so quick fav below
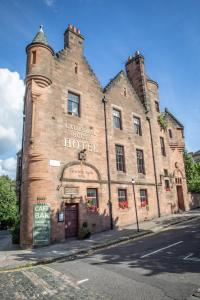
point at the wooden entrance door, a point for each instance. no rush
(180, 197)
(71, 220)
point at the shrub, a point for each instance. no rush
(84, 232)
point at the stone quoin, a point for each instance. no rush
(85, 148)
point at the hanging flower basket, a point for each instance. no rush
(91, 206)
(123, 204)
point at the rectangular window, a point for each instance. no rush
(73, 104)
(92, 199)
(120, 160)
(143, 198)
(157, 106)
(165, 172)
(137, 125)
(170, 133)
(162, 145)
(167, 185)
(140, 161)
(122, 198)
(33, 57)
(117, 119)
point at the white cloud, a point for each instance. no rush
(8, 167)
(11, 106)
(49, 3)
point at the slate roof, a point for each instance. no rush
(173, 117)
(40, 37)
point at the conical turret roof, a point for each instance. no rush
(40, 37)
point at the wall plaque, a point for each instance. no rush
(71, 190)
(41, 225)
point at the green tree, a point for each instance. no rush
(192, 170)
(8, 203)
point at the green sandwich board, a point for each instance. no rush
(41, 225)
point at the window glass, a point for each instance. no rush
(120, 162)
(73, 104)
(170, 133)
(140, 161)
(157, 106)
(167, 185)
(162, 145)
(122, 198)
(137, 125)
(143, 198)
(117, 119)
(92, 199)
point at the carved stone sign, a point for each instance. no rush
(79, 138)
(71, 190)
(80, 172)
(41, 226)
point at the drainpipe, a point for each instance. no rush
(154, 167)
(108, 164)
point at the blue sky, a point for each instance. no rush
(167, 33)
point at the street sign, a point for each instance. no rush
(41, 225)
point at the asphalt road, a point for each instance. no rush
(161, 266)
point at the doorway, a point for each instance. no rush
(71, 220)
(180, 197)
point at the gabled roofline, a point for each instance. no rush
(173, 117)
(112, 81)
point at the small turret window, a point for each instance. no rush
(33, 58)
(157, 106)
(76, 68)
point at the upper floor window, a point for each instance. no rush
(73, 104)
(117, 119)
(157, 106)
(162, 145)
(143, 197)
(120, 160)
(170, 133)
(33, 57)
(125, 92)
(122, 198)
(76, 68)
(140, 161)
(137, 125)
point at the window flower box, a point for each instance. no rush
(123, 204)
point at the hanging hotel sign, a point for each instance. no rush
(41, 227)
(79, 138)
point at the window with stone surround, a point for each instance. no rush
(162, 145)
(122, 198)
(120, 159)
(117, 122)
(73, 104)
(157, 106)
(92, 199)
(137, 125)
(170, 133)
(33, 57)
(144, 198)
(140, 161)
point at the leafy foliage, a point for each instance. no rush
(8, 203)
(162, 121)
(192, 170)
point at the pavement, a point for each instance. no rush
(12, 257)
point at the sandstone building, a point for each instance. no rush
(87, 150)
